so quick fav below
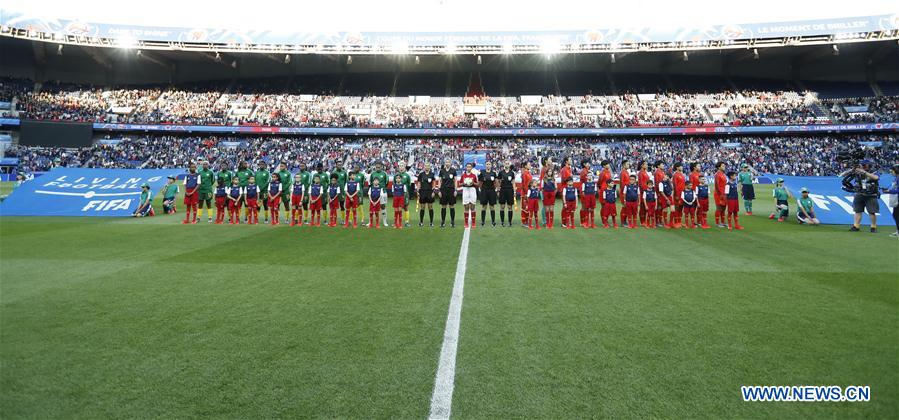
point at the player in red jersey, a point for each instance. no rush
(665, 201)
(566, 172)
(695, 174)
(679, 180)
(720, 200)
(605, 175)
(643, 177)
(526, 178)
(624, 179)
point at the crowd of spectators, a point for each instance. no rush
(218, 105)
(808, 156)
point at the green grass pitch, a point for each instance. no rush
(148, 318)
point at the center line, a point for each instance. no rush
(442, 399)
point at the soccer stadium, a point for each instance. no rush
(449, 209)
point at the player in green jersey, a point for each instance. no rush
(263, 177)
(806, 211)
(747, 190)
(407, 182)
(381, 176)
(286, 179)
(207, 181)
(168, 195)
(224, 174)
(781, 201)
(357, 175)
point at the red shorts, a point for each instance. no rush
(296, 200)
(650, 206)
(351, 202)
(663, 202)
(253, 203)
(192, 199)
(549, 199)
(631, 206)
(533, 205)
(733, 206)
(608, 209)
(703, 205)
(315, 204)
(720, 201)
(374, 207)
(677, 200)
(274, 202)
(589, 202)
(219, 202)
(233, 205)
(570, 205)
(399, 202)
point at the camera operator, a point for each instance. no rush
(867, 194)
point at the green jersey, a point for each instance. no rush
(806, 204)
(780, 193)
(225, 176)
(323, 177)
(745, 178)
(381, 176)
(171, 190)
(286, 179)
(306, 179)
(262, 179)
(207, 178)
(243, 177)
(144, 196)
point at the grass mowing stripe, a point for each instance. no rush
(442, 399)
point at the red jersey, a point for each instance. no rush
(659, 175)
(642, 179)
(604, 178)
(680, 182)
(583, 175)
(471, 176)
(624, 179)
(525, 181)
(694, 179)
(565, 173)
(720, 182)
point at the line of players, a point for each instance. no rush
(647, 199)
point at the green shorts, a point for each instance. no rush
(206, 196)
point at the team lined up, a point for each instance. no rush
(647, 199)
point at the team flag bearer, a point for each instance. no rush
(235, 196)
(274, 198)
(191, 194)
(649, 202)
(733, 205)
(374, 200)
(589, 195)
(351, 201)
(316, 195)
(297, 195)
(251, 196)
(221, 194)
(570, 195)
(334, 194)
(631, 202)
(399, 201)
(688, 198)
(532, 204)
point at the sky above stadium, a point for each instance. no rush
(443, 15)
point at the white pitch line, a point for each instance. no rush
(442, 399)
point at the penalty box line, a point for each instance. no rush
(442, 398)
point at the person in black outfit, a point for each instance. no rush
(488, 193)
(506, 178)
(447, 191)
(425, 187)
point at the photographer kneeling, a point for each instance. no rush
(867, 192)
